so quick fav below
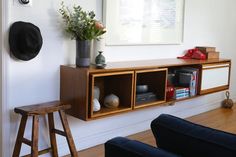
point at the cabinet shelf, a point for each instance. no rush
(178, 100)
(149, 103)
(108, 111)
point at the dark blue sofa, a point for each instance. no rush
(176, 137)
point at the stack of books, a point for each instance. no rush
(185, 80)
(145, 97)
(210, 52)
(188, 77)
(181, 92)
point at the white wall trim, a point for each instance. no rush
(1, 95)
(4, 108)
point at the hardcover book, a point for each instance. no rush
(182, 95)
(212, 55)
(206, 49)
(181, 90)
(188, 77)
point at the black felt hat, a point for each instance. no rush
(25, 40)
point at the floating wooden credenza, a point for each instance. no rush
(120, 78)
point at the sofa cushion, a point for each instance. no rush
(188, 139)
(123, 147)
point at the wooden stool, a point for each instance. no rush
(36, 111)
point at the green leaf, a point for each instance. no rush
(79, 24)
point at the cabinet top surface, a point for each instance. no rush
(143, 64)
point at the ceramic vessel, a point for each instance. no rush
(96, 105)
(111, 101)
(83, 48)
(100, 59)
(98, 45)
(96, 92)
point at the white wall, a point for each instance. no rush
(1, 127)
(207, 22)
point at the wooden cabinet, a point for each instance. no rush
(215, 77)
(121, 78)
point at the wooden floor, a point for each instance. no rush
(222, 119)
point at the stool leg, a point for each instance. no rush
(69, 137)
(52, 135)
(20, 136)
(34, 147)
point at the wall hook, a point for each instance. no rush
(24, 1)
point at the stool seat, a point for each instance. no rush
(35, 111)
(43, 108)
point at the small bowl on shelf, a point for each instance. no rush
(141, 88)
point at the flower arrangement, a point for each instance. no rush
(81, 25)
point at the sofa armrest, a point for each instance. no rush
(123, 147)
(188, 139)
